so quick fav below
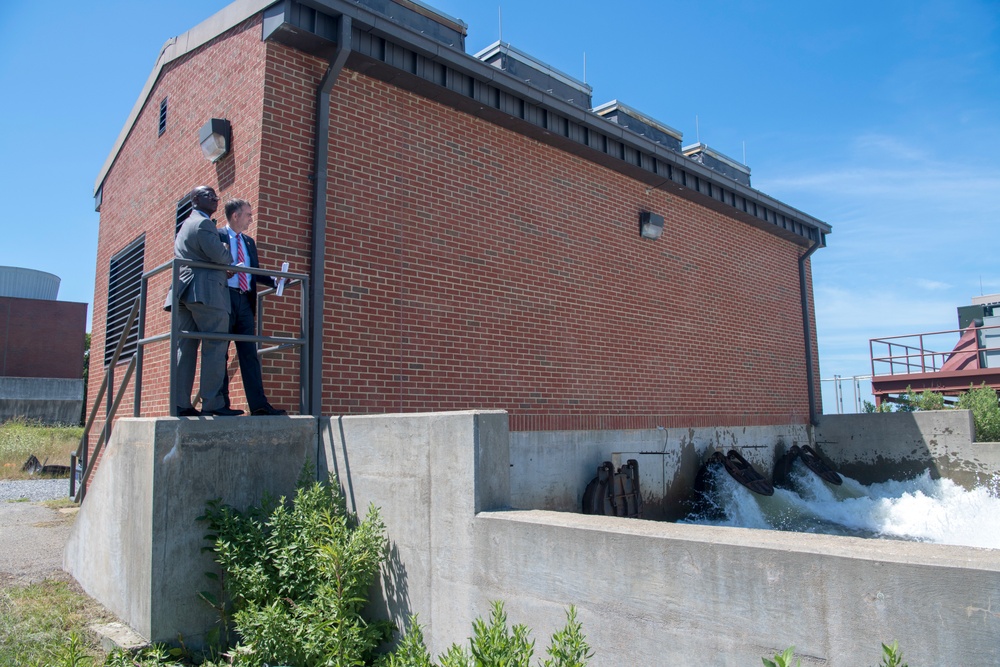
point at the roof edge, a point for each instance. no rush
(228, 17)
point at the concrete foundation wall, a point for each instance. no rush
(875, 448)
(550, 469)
(48, 400)
(648, 593)
(136, 544)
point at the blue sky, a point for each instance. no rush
(879, 118)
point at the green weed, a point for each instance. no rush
(494, 643)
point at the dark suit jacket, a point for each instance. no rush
(198, 239)
(252, 262)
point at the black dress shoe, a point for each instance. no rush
(223, 412)
(188, 412)
(268, 411)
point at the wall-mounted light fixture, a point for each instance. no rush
(214, 139)
(650, 225)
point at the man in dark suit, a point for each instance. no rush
(202, 305)
(243, 305)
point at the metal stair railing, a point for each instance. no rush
(81, 454)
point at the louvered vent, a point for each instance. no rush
(124, 281)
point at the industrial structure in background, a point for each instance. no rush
(41, 349)
(947, 362)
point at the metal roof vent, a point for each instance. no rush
(640, 123)
(423, 18)
(537, 74)
(718, 162)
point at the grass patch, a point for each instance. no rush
(20, 438)
(35, 621)
(60, 503)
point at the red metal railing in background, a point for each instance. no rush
(933, 361)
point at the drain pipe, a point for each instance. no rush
(317, 255)
(807, 335)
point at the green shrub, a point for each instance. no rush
(297, 576)
(494, 643)
(982, 401)
(926, 400)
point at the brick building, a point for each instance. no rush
(42, 347)
(471, 226)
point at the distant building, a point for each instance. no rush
(471, 224)
(41, 349)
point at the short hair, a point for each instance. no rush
(233, 207)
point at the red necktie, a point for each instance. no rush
(240, 259)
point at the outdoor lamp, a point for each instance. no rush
(214, 139)
(650, 225)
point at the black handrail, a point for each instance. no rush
(135, 365)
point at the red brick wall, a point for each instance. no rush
(42, 339)
(151, 173)
(467, 266)
(476, 268)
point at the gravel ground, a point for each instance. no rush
(32, 535)
(34, 490)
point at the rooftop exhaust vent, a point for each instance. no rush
(718, 162)
(537, 74)
(640, 123)
(423, 18)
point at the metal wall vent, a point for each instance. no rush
(124, 282)
(184, 208)
(163, 117)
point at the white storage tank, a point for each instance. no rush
(28, 283)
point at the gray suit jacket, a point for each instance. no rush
(198, 239)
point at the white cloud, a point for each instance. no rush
(931, 285)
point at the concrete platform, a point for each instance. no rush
(136, 544)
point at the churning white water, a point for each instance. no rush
(920, 509)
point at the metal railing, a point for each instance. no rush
(135, 365)
(923, 353)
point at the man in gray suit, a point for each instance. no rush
(203, 305)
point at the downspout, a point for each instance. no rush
(806, 333)
(317, 254)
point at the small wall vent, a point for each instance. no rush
(163, 117)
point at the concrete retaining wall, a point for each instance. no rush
(877, 447)
(48, 400)
(136, 544)
(550, 469)
(648, 593)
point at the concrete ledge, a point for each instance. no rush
(136, 544)
(652, 593)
